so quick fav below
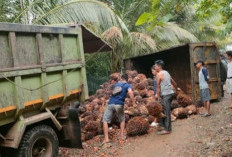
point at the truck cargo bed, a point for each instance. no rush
(41, 67)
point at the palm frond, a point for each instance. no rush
(171, 32)
(76, 11)
(142, 42)
(138, 43)
(80, 11)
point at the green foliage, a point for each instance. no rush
(9, 9)
(144, 18)
(166, 24)
(131, 27)
(54, 12)
(98, 69)
(208, 8)
(129, 10)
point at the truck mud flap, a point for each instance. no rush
(72, 129)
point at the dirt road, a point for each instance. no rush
(195, 136)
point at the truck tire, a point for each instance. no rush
(40, 141)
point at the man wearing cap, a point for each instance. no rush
(204, 87)
(166, 92)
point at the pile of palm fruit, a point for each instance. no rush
(138, 117)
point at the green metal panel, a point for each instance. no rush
(6, 94)
(44, 90)
(56, 87)
(74, 81)
(6, 60)
(31, 82)
(27, 50)
(71, 48)
(51, 49)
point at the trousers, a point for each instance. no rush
(166, 103)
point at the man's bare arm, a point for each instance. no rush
(131, 94)
(159, 79)
(174, 83)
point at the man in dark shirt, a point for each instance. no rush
(223, 72)
(116, 104)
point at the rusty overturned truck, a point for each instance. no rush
(42, 72)
(180, 63)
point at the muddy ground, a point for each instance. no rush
(195, 136)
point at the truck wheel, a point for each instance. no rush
(40, 141)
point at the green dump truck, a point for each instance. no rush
(42, 72)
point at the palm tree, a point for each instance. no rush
(115, 21)
(96, 15)
(131, 44)
(50, 12)
(181, 23)
(129, 10)
(164, 23)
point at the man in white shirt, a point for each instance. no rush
(229, 76)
